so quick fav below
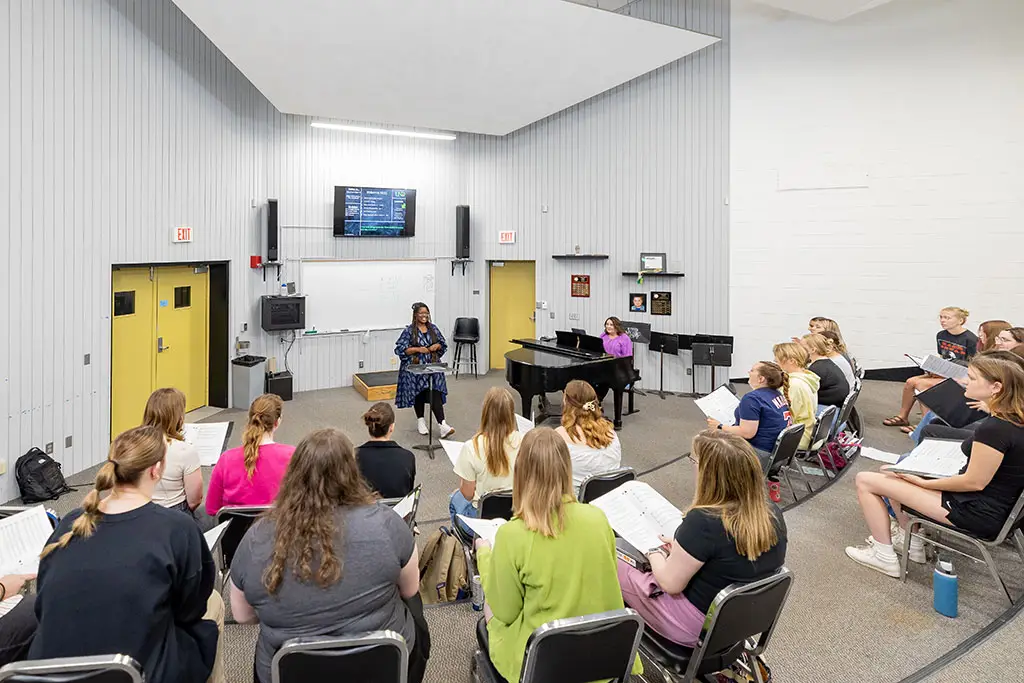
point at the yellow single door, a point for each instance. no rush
(132, 353)
(513, 302)
(182, 337)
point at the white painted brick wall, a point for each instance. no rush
(921, 104)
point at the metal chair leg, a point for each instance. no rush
(1018, 543)
(906, 549)
(990, 563)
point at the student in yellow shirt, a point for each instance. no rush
(555, 559)
(803, 386)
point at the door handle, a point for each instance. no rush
(160, 348)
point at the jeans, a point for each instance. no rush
(925, 421)
(458, 505)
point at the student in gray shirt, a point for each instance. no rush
(363, 565)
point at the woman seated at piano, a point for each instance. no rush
(594, 446)
(616, 343)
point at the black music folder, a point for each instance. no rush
(946, 399)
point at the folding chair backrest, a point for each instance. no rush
(823, 427)
(846, 411)
(786, 446)
(241, 517)
(411, 517)
(375, 657)
(741, 611)
(597, 485)
(580, 649)
(1014, 521)
(496, 505)
(93, 669)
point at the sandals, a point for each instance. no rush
(909, 429)
(895, 421)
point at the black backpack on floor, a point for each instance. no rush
(39, 477)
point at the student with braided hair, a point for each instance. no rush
(122, 574)
(803, 386)
(593, 444)
(251, 474)
(763, 411)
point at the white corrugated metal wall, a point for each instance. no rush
(122, 120)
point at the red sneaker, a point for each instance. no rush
(774, 492)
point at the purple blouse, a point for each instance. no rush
(620, 347)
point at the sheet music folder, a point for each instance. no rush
(933, 459)
(947, 400)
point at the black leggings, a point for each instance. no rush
(17, 629)
(436, 406)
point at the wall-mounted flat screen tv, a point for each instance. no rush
(374, 212)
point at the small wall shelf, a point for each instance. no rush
(580, 257)
(647, 275)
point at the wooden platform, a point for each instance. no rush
(376, 386)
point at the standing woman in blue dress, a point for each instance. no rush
(421, 343)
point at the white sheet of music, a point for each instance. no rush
(523, 424)
(719, 405)
(943, 368)
(404, 506)
(207, 438)
(213, 535)
(484, 528)
(451, 449)
(879, 455)
(639, 514)
(8, 604)
(934, 459)
(22, 538)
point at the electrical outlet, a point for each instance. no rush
(88, 358)
(67, 441)
(552, 315)
(245, 327)
(360, 365)
(476, 292)
(689, 371)
(49, 448)
(574, 316)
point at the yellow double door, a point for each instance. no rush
(159, 338)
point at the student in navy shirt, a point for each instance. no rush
(764, 411)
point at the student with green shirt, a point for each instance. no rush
(555, 559)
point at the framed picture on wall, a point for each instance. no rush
(637, 302)
(661, 303)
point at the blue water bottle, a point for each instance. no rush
(945, 588)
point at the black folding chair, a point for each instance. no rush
(241, 517)
(596, 485)
(92, 669)
(819, 440)
(593, 647)
(375, 657)
(739, 612)
(410, 518)
(781, 459)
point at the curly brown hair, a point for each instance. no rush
(322, 476)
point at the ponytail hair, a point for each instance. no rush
(775, 377)
(837, 341)
(264, 413)
(132, 453)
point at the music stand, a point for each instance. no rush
(429, 369)
(663, 343)
(713, 355)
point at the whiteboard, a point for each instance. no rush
(364, 295)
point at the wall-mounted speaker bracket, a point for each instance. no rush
(460, 262)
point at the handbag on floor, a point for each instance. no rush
(737, 674)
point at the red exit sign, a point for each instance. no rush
(183, 234)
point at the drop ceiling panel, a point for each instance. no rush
(483, 66)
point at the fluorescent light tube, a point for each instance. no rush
(383, 131)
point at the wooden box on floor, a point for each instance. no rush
(376, 386)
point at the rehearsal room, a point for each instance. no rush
(512, 341)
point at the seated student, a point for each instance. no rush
(616, 343)
(250, 474)
(803, 387)
(486, 461)
(730, 534)
(329, 559)
(1009, 338)
(980, 498)
(387, 467)
(952, 342)
(17, 627)
(123, 575)
(839, 355)
(834, 387)
(181, 486)
(593, 444)
(555, 559)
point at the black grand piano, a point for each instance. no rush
(547, 366)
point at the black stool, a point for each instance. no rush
(467, 333)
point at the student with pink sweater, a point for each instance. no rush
(251, 473)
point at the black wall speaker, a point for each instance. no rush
(462, 231)
(272, 231)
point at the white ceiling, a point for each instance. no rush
(608, 5)
(826, 10)
(483, 66)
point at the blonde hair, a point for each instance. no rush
(990, 329)
(837, 341)
(582, 409)
(131, 454)
(775, 377)
(791, 351)
(264, 413)
(1007, 368)
(542, 483)
(831, 326)
(957, 311)
(497, 423)
(165, 410)
(730, 484)
(818, 344)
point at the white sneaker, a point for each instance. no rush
(916, 553)
(868, 556)
(445, 430)
(421, 426)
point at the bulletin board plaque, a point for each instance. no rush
(661, 303)
(580, 286)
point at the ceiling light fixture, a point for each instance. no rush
(383, 131)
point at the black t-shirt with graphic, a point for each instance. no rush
(961, 346)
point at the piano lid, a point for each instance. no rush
(552, 359)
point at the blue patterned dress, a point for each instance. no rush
(409, 385)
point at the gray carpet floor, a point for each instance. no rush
(843, 622)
